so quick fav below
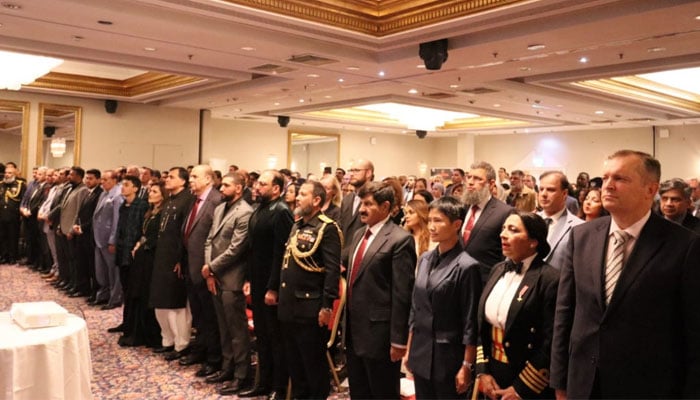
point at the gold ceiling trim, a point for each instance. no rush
(483, 123)
(377, 18)
(145, 83)
(643, 90)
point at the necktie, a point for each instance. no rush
(513, 266)
(358, 259)
(470, 224)
(615, 263)
(190, 219)
(548, 221)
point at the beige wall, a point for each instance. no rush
(164, 137)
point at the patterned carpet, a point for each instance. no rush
(118, 373)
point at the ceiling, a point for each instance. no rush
(514, 64)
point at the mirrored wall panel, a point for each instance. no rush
(310, 153)
(14, 128)
(59, 135)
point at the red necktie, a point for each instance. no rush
(190, 219)
(470, 224)
(358, 260)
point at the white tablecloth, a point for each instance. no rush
(45, 363)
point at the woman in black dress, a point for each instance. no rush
(145, 329)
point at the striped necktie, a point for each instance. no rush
(614, 266)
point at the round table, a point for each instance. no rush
(45, 363)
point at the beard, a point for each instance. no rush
(303, 211)
(472, 198)
(9, 180)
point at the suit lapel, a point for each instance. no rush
(485, 214)
(648, 244)
(594, 250)
(559, 229)
(524, 289)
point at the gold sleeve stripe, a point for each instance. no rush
(480, 355)
(535, 380)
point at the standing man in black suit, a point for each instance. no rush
(225, 254)
(268, 231)
(382, 262)
(85, 280)
(676, 205)
(77, 192)
(207, 346)
(309, 285)
(626, 322)
(485, 217)
(361, 173)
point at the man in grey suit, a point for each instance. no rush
(104, 222)
(361, 173)
(224, 272)
(382, 262)
(554, 190)
(626, 322)
(69, 216)
(207, 347)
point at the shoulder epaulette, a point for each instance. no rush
(325, 218)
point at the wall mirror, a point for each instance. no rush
(14, 133)
(310, 153)
(58, 143)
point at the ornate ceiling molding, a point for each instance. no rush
(378, 18)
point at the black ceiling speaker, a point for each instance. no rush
(283, 121)
(111, 106)
(49, 131)
(421, 134)
(433, 53)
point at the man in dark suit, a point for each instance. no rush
(225, 256)
(207, 346)
(85, 280)
(626, 323)
(675, 204)
(268, 231)
(77, 192)
(361, 173)
(485, 217)
(309, 285)
(382, 262)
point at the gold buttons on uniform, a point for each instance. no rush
(529, 346)
(507, 344)
(284, 284)
(306, 295)
(532, 330)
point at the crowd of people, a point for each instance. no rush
(508, 284)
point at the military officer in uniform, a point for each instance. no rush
(11, 192)
(308, 287)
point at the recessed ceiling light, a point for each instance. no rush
(248, 48)
(496, 105)
(104, 22)
(328, 96)
(525, 69)
(413, 91)
(277, 103)
(560, 105)
(583, 60)
(421, 66)
(697, 17)
(149, 48)
(534, 47)
(656, 49)
(600, 112)
(353, 68)
(301, 100)
(341, 80)
(313, 75)
(381, 73)
(454, 86)
(12, 6)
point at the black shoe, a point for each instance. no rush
(128, 341)
(255, 391)
(232, 387)
(110, 306)
(98, 302)
(210, 371)
(161, 349)
(174, 355)
(118, 328)
(192, 359)
(77, 293)
(90, 299)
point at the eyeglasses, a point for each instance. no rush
(356, 170)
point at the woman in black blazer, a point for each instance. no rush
(516, 314)
(443, 325)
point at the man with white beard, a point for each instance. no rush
(485, 217)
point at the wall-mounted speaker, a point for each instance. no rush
(49, 131)
(283, 121)
(111, 106)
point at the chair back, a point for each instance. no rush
(338, 306)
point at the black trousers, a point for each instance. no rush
(84, 270)
(63, 255)
(9, 238)
(371, 378)
(305, 350)
(268, 339)
(32, 238)
(207, 343)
